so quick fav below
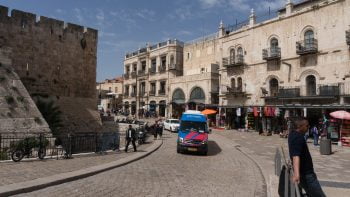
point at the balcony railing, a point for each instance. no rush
(143, 50)
(152, 93)
(238, 60)
(307, 46)
(126, 95)
(152, 70)
(161, 92)
(321, 90)
(126, 76)
(347, 33)
(133, 74)
(172, 66)
(132, 94)
(141, 72)
(142, 93)
(162, 68)
(271, 53)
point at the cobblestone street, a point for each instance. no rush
(224, 172)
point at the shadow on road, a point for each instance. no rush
(213, 148)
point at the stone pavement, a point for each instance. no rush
(11, 172)
(224, 172)
(332, 170)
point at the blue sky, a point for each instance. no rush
(126, 25)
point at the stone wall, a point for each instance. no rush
(54, 60)
(18, 112)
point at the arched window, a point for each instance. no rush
(273, 87)
(232, 55)
(197, 95)
(178, 96)
(309, 39)
(233, 83)
(274, 43)
(310, 85)
(239, 51)
(239, 86)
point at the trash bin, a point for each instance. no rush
(325, 146)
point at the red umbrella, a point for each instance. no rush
(343, 115)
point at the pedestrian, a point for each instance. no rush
(304, 174)
(130, 135)
(160, 130)
(315, 134)
(154, 130)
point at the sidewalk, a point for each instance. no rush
(333, 171)
(14, 175)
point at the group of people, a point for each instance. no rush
(131, 136)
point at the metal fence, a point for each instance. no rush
(56, 146)
(284, 170)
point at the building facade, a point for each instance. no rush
(295, 60)
(146, 78)
(110, 94)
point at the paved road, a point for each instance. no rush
(224, 172)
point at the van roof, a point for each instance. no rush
(193, 117)
(192, 112)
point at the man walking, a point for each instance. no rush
(299, 153)
(130, 135)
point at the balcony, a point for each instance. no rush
(231, 61)
(172, 66)
(126, 95)
(234, 91)
(347, 33)
(152, 70)
(132, 94)
(133, 74)
(162, 68)
(321, 91)
(152, 92)
(161, 92)
(142, 94)
(308, 46)
(271, 53)
(141, 73)
(284, 92)
(126, 76)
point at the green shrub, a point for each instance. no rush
(9, 99)
(20, 99)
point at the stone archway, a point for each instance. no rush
(178, 103)
(197, 96)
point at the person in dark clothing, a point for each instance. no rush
(303, 168)
(130, 135)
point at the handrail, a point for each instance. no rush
(290, 189)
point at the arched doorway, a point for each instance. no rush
(178, 103)
(197, 96)
(162, 106)
(273, 87)
(240, 84)
(310, 85)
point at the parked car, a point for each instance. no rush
(172, 125)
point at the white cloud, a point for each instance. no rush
(78, 15)
(209, 3)
(100, 17)
(59, 11)
(184, 33)
(239, 5)
(146, 14)
(272, 4)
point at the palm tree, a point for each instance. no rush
(51, 114)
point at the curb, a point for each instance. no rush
(40, 183)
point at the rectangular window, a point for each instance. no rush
(163, 61)
(116, 89)
(143, 65)
(134, 67)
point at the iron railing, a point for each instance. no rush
(307, 46)
(143, 50)
(133, 74)
(56, 145)
(284, 170)
(289, 92)
(152, 70)
(271, 53)
(126, 76)
(321, 90)
(162, 68)
(132, 94)
(161, 92)
(238, 60)
(347, 36)
(141, 72)
(152, 93)
(172, 66)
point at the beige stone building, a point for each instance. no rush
(146, 77)
(110, 94)
(299, 59)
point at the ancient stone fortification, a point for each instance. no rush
(54, 60)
